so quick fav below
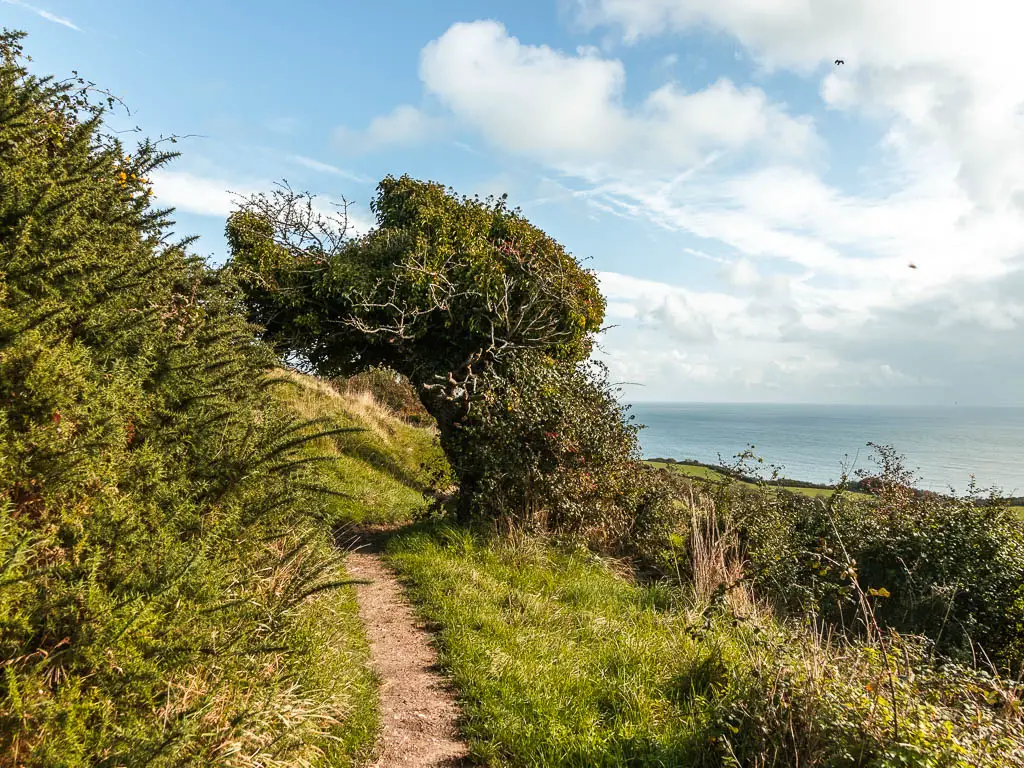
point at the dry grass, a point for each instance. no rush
(360, 406)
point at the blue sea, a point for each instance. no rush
(944, 446)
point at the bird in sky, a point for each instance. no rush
(912, 265)
(839, 62)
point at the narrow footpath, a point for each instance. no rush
(418, 713)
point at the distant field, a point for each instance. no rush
(706, 473)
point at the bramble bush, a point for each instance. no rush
(950, 568)
(162, 577)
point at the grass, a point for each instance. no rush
(561, 660)
(336, 658)
(709, 474)
(378, 468)
(556, 660)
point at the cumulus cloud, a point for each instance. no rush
(945, 71)
(568, 107)
(904, 286)
(196, 194)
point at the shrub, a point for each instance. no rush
(548, 445)
(950, 568)
(160, 570)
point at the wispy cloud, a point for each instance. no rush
(404, 126)
(64, 22)
(317, 165)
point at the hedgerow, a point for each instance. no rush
(165, 593)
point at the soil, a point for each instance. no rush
(418, 712)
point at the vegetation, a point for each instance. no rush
(487, 317)
(559, 660)
(951, 568)
(174, 505)
(726, 476)
(168, 591)
(439, 291)
(378, 466)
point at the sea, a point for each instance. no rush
(943, 446)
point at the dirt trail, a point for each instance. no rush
(418, 713)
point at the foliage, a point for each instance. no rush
(443, 287)
(950, 568)
(559, 660)
(166, 593)
(547, 444)
(486, 316)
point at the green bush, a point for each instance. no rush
(949, 568)
(165, 592)
(548, 445)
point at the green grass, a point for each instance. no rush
(377, 469)
(706, 473)
(690, 470)
(558, 660)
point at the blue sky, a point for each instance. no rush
(752, 208)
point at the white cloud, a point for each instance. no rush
(945, 71)
(64, 22)
(405, 125)
(197, 194)
(815, 298)
(218, 197)
(317, 165)
(568, 108)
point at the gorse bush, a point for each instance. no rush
(162, 582)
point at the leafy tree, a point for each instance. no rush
(488, 317)
(442, 289)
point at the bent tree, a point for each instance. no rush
(490, 319)
(443, 289)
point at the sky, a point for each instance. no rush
(768, 225)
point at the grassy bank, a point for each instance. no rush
(561, 659)
(378, 467)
